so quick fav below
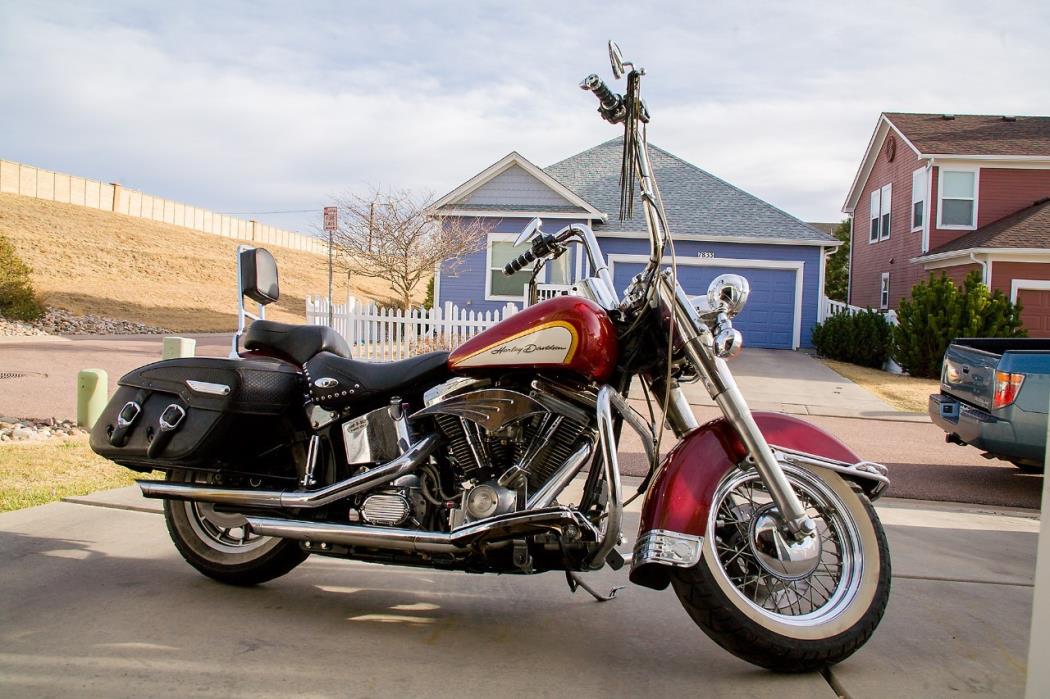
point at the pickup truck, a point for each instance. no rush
(994, 396)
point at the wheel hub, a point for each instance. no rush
(781, 556)
(224, 520)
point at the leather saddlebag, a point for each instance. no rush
(179, 412)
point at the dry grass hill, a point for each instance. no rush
(89, 261)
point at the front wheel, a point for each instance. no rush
(783, 612)
(220, 544)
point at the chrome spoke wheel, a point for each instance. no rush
(226, 532)
(220, 544)
(795, 583)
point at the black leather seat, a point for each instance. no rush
(336, 382)
(298, 342)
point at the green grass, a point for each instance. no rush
(38, 473)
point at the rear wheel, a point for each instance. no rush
(221, 546)
(785, 613)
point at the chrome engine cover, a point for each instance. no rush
(387, 509)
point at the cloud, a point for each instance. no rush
(259, 107)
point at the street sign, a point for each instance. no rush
(331, 219)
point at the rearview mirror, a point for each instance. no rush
(259, 276)
(616, 60)
(528, 232)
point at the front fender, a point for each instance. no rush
(676, 507)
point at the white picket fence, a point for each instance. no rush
(834, 307)
(386, 334)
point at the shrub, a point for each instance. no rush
(938, 312)
(428, 302)
(859, 338)
(17, 299)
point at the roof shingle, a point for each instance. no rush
(1028, 228)
(697, 202)
(972, 134)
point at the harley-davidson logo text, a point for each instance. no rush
(528, 349)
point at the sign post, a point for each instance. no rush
(331, 224)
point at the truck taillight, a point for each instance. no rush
(1007, 386)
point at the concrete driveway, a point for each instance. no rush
(96, 602)
(796, 383)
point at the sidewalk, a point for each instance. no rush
(957, 621)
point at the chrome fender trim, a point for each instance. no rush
(870, 476)
(670, 548)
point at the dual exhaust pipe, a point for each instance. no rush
(459, 541)
(310, 499)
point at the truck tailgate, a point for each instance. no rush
(969, 375)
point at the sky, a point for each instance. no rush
(250, 107)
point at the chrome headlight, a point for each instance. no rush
(730, 290)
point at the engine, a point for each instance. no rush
(501, 448)
(504, 445)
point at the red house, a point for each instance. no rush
(942, 193)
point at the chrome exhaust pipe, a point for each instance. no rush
(458, 541)
(557, 483)
(402, 465)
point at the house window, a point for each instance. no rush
(918, 198)
(887, 199)
(873, 236)
(884, 292)
(880, 214)
(500, 286)
(958, 198)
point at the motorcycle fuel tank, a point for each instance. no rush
(566, 332)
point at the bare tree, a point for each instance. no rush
(395, 235)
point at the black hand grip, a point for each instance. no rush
(519, 262)
(596, 85)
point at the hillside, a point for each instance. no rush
(89, 261)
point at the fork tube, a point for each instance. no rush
(722, 387)
(607, 438)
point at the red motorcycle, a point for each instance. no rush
(760, 522)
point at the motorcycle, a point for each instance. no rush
(761, 523)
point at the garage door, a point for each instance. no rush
(1035, 311)
(768, 320)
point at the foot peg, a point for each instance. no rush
(576, 583)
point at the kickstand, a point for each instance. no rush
(575, 583)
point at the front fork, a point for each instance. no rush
(698, 345)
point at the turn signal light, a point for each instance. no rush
(1007, 386)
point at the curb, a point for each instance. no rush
(29, 339)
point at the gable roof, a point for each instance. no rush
(975, 134)
(698, 204)
(963, 136)
(456, 202)
(1026, 229)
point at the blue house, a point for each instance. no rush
(716, 227)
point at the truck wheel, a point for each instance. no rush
(1027, 467)
(219, 544)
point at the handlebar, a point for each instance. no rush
(542, 246)
(611, 105)
(519, 262)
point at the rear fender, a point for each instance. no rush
(676, 508)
